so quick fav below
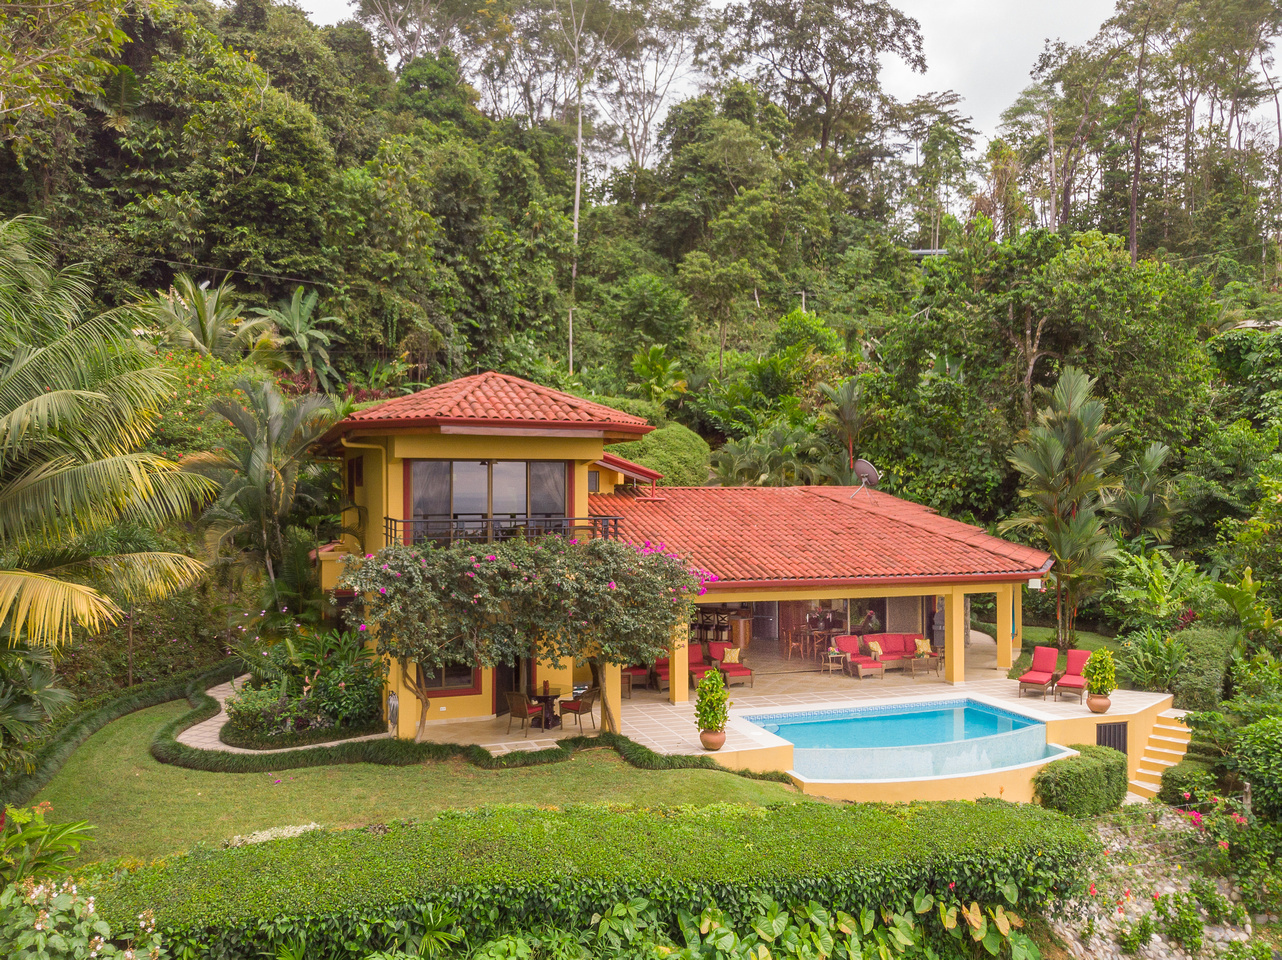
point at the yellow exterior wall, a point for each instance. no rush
(1139, 729)
(467, 707)
(1013, 785)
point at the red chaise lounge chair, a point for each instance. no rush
(857, 662)
(1042, 675)
(1072, 681)
(733, 672)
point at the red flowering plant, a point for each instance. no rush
(596, 601)
(1221, 823)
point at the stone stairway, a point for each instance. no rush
(1165, 748)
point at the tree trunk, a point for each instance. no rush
(421, 694)
(1138, 128)
(131, 646)
(578, 191)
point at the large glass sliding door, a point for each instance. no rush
(486, 499)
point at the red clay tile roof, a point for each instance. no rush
(628, 468)
(493, 399)
(801, 536)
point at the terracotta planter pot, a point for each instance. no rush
(1097, 703)
(712, 739)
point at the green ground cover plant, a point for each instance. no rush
(504, 866)
(1091, 783)
(145, 809)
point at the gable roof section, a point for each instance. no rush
(817, 536)
(633, 471)
(492, 400)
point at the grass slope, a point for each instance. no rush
(146, 809)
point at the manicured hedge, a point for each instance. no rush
(504, 867)
(1183, 778)
(92, 716)
(1086, 785)
(300, 738)
(1200, 684)
(402, 753)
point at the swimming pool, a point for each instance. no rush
(906, 741)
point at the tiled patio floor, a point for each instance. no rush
(664, 727)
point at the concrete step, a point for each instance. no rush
(1168, 743)
(1162, 750)
(1146, 790)
(1153, 761)
(1173, 714)
(1149, 773)
(1172, 731)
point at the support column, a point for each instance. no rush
(679, 664)
(1005, 626)
(1017, 628)
(955, 628)
(611, 698)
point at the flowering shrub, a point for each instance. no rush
(602, 601)
(51, 920)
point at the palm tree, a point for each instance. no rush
(77, 395)
(779, 456)
(1143, 507)
(266, 476)
(661, 378)
(844, 414)
(1065, 459)
(29, 699)
(194, 317)
(299, 329)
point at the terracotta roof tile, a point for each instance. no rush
(816, 534)
(494, 398)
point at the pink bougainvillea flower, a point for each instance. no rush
(491, 557)
(612, 585)
(382, 590)
(1224, 844)
(363, 627)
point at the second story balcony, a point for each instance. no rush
(476, 529)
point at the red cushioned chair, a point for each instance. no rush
(638, 676)
(698, 666)
(1072, 681)
(580, 706)
(733, 672)
(519, 705)
(1042, 675)
(660, 673)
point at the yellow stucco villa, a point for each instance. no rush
(492, 455)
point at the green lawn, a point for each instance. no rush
(146, 809)
(1045, 637)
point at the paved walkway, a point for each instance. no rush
(204, 735)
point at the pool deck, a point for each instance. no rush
(784, 685)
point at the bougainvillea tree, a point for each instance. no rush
(596, 601)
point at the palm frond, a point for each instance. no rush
(43, 610)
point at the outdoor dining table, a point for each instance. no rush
(548, 696)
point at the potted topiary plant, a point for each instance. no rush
(712, 710)
(1101, 680)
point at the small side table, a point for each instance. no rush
(923, 664)
(832, 662)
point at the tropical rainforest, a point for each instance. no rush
(711, 214)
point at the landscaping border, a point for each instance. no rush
(55, 751)
(166, 748)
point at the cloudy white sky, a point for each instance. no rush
(983, 49)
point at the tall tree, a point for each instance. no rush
(823, 57)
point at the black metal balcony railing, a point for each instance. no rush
(488, 529)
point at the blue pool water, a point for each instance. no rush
(943, 738)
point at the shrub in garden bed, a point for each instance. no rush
(308, 688)
(1091, 783)
(1185, 778)
(504, 867)
(1200, 684)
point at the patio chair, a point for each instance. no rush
(519, 705)
(698, 666)
(638, 675)
(793, 640)
(1042, 675)
(733, 672)
(581, 706)
(659, 674)
(1072, 680)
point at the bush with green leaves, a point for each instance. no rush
(498, 868)
(54, 920)
(681, 455)
(1100, 673)
(1088, 784)
(1200, 684)
(1185, 780)
(712, 703)
(1132, 936)
(1151, 660)
(1181, 920)
(32, 848)
(1259, 761)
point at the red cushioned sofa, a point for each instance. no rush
(857, 659)
(896, 648)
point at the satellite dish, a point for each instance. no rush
(867, 473)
